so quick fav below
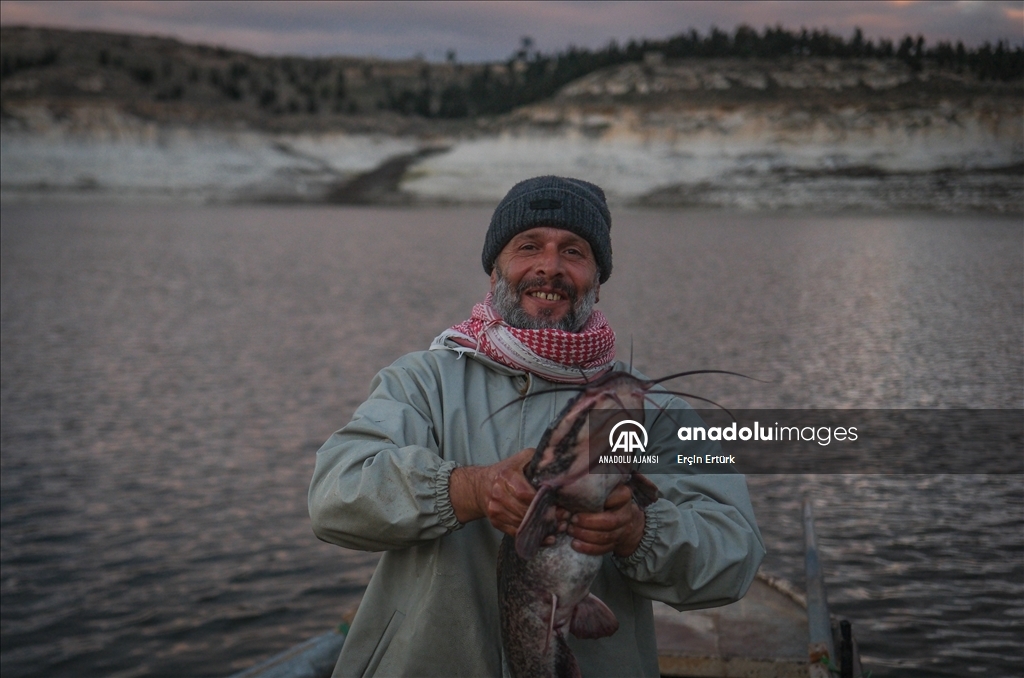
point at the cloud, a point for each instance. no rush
(492, 30)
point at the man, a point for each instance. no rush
(430, 467)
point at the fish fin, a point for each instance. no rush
(591, 618)
(644, 491)
(539, 522)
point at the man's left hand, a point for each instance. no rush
(618, 529)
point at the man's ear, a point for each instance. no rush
(597, 292)
(494, 278)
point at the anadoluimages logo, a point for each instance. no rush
(628, 439)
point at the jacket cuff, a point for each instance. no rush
(651, 525)
(442, 500)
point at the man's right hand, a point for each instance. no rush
(500, 492)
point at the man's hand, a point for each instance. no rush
(499, 492)
(618, 529)
(510, 493)
(502, 494)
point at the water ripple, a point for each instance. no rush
(168, 374)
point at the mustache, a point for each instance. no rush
(559, 284)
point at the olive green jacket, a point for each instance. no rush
(431, 609)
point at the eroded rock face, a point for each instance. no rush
(780, 102)
(817, 133)
(809, 133)
(102, 152)
(657, 77)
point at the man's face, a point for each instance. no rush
(545, 278)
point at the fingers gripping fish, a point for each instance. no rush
(544, 590)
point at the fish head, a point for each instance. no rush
(575, 441)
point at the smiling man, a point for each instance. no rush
(430, 469)
(545, 278)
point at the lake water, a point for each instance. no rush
(169, 373)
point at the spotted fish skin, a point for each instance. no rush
(544, 590)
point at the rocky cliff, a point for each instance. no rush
(847, 134)
(784, 133)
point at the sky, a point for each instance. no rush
(489, 31)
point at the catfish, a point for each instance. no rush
(544, 589)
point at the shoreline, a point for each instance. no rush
(766, 135)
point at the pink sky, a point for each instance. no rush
(492, 30)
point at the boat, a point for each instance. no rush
(774, 631)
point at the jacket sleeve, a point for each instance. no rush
(380, 482)
(701, 546)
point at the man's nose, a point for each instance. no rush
(550, 262)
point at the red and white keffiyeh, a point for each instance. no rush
(555, 355)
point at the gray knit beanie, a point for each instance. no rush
(571, 204)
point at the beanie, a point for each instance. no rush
(571, 204)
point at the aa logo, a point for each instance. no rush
(626, 437)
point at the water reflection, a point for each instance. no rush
(169, 374)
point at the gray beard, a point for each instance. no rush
(506, 301)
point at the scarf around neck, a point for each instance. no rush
(555, 355)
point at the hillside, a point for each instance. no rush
(100, 115)
(169, 81)
(781, 133)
